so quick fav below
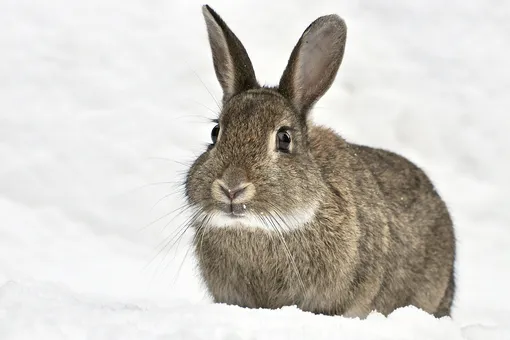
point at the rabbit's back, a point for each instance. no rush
(400, 216)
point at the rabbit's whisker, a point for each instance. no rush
(276, 225)
(207, 89)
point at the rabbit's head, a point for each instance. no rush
(259, 170)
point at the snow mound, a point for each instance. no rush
(54, 312)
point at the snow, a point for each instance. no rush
(105, 103)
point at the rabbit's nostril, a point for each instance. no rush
(232, 193)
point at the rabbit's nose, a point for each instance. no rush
(232, 193)
(239, 193)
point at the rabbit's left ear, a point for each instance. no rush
(231, 62)
(314, 62)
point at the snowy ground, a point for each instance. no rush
(102, 105)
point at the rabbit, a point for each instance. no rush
(288, 213)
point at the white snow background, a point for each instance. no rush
(103, 104)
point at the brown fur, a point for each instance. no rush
(380, 237)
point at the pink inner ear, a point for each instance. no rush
(315, 55)
(319, 57)
(221, 54)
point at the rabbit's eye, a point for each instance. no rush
(283, 140)
(214, 133)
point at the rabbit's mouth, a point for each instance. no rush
(234, 210)
(245, 216)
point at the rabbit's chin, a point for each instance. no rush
(272, 222)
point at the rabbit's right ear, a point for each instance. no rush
(314, 62)
(231, 62)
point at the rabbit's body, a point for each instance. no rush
(383, 256)
(329, 226)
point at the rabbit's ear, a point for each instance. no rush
(231, 62)
(314, 62)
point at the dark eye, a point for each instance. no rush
(214, 133)
(283, 140)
